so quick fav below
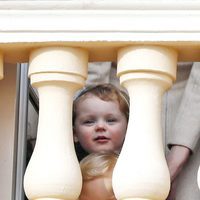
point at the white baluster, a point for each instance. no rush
(198, 177)
(53, 171)
(141, 171)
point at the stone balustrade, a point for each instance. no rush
(58, 39)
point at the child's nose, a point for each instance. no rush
(100, 126)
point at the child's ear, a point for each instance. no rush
(75, 139)
(75, 136)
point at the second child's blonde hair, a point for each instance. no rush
(97, 165)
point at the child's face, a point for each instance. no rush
(100, 126)
(97, 189)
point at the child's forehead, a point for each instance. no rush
(85, 97)
(95, 104)
(105, 98)
(88, 96)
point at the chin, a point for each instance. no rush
(105, 151)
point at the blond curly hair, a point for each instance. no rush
(97, 165)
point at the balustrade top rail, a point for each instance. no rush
(101, 26)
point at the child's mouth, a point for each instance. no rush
(101, 139)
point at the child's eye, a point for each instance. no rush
(111, 120)
(88, 122)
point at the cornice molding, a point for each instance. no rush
(110, 20)
(100, 5)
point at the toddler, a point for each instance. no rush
(100, 117)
